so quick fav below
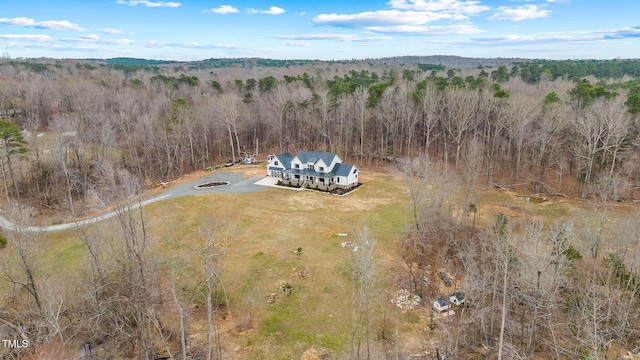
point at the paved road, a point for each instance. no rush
(238, 185)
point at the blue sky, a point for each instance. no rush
(320, 29)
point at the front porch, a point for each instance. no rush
(301, 177)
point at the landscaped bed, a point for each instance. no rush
(335, 191)
(212, 184)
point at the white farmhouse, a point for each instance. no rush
(313, 168)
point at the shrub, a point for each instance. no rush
(572, 253)
(3, 241)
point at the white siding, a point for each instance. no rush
(353, 177)
(341, 180)
(275, 162)
(298, 162)
(336, 160)
(320, 164)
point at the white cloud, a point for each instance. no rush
(624, 32)
(397, 22)
(113, 31)
(93, 38)
(273, 10)
(428, 30)
(339, 37)
(411, 17)
(297, 44)
(379, 18)
(190, 45)
(47, 24)
(519, 13)
(28, 37)
(223, 9)
(447, 6)
(569, 37)
(149, 3)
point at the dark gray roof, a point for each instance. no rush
(285, 159)
(313, 156)
(443, 302)
(458, 295)
(342, 169)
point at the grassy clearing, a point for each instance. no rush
(265, 230)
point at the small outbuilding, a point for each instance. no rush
(457, 298)
(442, 304)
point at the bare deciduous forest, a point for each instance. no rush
(81, 136)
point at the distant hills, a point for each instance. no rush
(442, 60)
(529, 70)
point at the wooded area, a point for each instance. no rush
(79, 136)
(159, 122)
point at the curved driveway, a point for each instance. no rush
(238, 185)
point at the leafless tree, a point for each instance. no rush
(227, 109)
(521, 113)
(363, 272)
(471, 165)
(21, 268)
(212, 244)
(458, 121)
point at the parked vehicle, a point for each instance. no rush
(445, 278)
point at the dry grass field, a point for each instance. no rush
(264, 231)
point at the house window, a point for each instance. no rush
(310, 166)
(297, 166)
(321, 168)
(337, 180)
(322, 180)
(355, 171)
(275, 163)
(297, 177)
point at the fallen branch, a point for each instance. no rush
(15, 329)
(499, 186)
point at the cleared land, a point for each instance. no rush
(266, 228)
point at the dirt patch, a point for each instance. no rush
(511, 212)
(313, 354)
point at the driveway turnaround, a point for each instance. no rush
(239, 183)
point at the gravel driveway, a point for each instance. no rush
(239, 184)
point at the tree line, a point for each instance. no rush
(161, 125)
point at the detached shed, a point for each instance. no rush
(457, 298)
(442, 304)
